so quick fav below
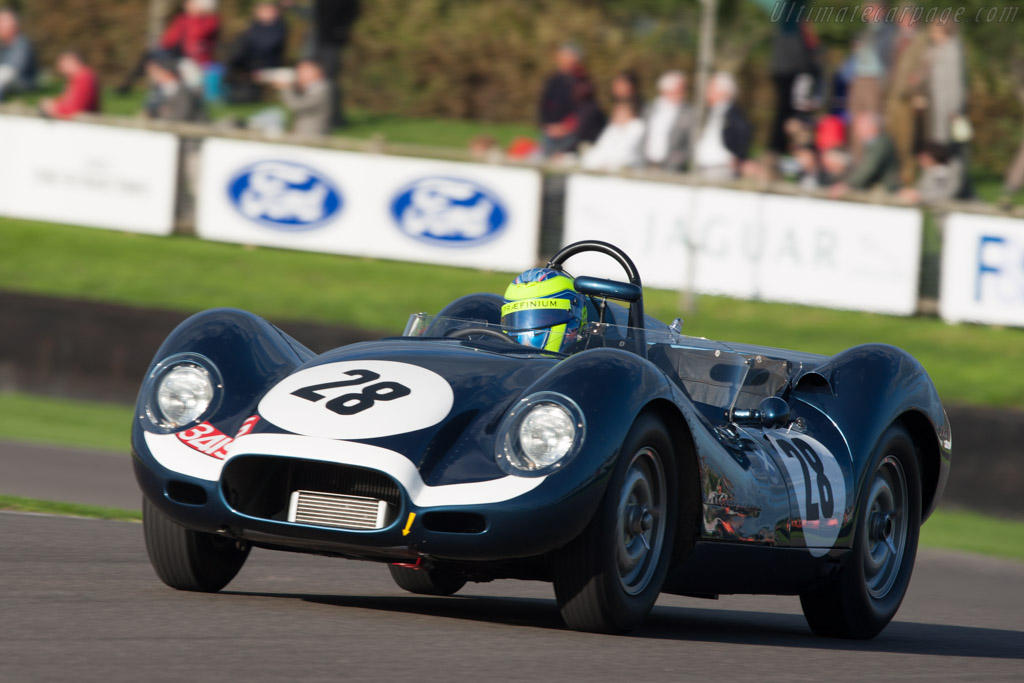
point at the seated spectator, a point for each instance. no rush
(619, 145)
(308, 98)
(170, 100)
(17, 59)
(668, 124)
(724, 142)
(260, 47)
(191, 35)
(878, 163)
(568, 110)
(941, 178)
(835, 163)
(81, 92)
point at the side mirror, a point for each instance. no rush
(771, 412)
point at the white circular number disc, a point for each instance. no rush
(820, 531)
(381, 398)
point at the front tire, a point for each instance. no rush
(864, 597)
(189, 560)
(433, 581)
(608, 579)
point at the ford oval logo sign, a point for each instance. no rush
(449, 212)
(285, 196)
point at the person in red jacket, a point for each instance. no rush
(82, 92)
(194, 32)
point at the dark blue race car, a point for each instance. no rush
(632, 462)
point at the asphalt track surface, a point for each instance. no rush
(80, 602)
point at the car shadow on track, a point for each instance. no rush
(697, 625)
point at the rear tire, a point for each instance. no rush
(189, 560)
(864, 597)
(608, 579)
(433, 581)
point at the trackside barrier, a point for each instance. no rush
(436, 205)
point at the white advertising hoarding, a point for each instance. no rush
(407, 209)
(982, 270)
(84, 174)
(751, 245)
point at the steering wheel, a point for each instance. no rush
(481, 331)
(632, 293)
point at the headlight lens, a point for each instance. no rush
(540, 434)
(184, 394)
(182, 389)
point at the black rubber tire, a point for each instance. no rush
(189, 560)
(585, 572)
(433, 581)
(844, 607)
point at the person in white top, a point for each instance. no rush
(669, 122)
(725, 138)
(620, 144)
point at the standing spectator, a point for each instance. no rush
(260, 47)
(81, 93)
(668, 124)
(309, 99)
(170, 100)
(905, 96)
(877, 165)
(568, 110)
(872, 52)
(946, 120)
(17, 59)
(724, 142)
(620, 144)
(792, 56)
(1014, 179)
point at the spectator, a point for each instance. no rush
(1014, 179)
(792, 55)
(668, 125)
(905, 96)
(835, 163)
(619, 145)
(260, 47)
(877, 165)
(309, 99)
(191, 35)
(170, 100)
(947, 90)
(81, 93)
(17, 59)
(872, 51)
(724, 141)
(941, 176)
(568, 110)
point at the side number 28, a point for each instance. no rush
(810, 463)
(356, 402)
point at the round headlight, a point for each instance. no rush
(546, 435)
(183, 394)
(540, 434)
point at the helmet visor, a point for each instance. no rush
(535, 314)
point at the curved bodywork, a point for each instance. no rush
(392, 450)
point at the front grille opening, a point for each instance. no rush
(189, 494)
(265, 486)
(455, 522)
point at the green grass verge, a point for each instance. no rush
(968, 363)
(101, 426)
(18, 504)
(950, 530)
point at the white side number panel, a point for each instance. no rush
(818, 486)
(358, 400)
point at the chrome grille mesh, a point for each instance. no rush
(337, 510)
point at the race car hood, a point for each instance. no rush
(436, 402)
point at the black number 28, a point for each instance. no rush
(810, 461)
(350, 404)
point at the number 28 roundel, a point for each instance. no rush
(358, 400)
(818, 486)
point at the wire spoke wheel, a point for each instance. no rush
(640, 531)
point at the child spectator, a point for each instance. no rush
(260, 47)
(81, 93)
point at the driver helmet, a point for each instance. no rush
(543, 310)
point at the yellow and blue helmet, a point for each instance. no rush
(543, 310)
